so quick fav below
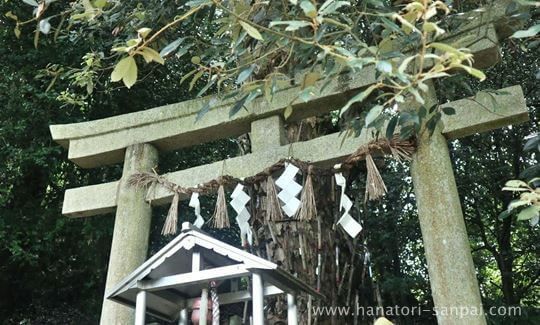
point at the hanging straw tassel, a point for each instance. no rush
(221, 216)
(308, 206)
(375, 187)
(169, 228)
(273, 208)
(401, 150)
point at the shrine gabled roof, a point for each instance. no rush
(176, 258)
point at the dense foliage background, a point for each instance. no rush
(53, 268)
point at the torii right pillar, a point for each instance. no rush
(452, 274)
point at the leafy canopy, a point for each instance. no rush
(247, 49)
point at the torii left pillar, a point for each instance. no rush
(131, 230)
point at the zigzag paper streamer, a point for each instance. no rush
(196, 205)
(351, 226)
(238, 202)
(289, 190)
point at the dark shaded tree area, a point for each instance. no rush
(53, 269)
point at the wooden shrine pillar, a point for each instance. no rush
(292, 309)
(451, 269)
(140, 308)
(257, 297)
(131, 230)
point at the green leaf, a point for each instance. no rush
(358, 98)
(143, 32)
(252, 31)
(36, 38)
(10, 14)
(384, 66)
(505, 214)
(268, 89)
(470, 70)
(17, 31)
(536, 179)
(529, 212)
(120, 49)
(125, 70)
(477, 74)
(433, 28)
(150, 55)
(391, 127)
(422, 112)
(308, 8)
(100, 3)
(403, 66)
(33, 3)
(331, 6)
(432, 122)
(306, 94)
(209, 84)
(445, 48)
(186, 76)
(373, 113)
(515, 183)
(530, 172)
(532, 144)
(205, 108)
(171, 47)
(409, 117)
(534, 220)
(292, 25)
(242, 76)
(288, 111)
(516, 204)
(183, 50)
(310, 79)
(449, 110)
(391, 25)
(197, 3)
(195, 78)
(417, 95)
(527, 33)
(237, 106)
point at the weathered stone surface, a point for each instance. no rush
(450, 266)
(323, 150)
(483, 43)
(486, 111)
(90, 200)
(470, 116)
(267, 133)
(451, 270)
(131, 230)
(496, 13)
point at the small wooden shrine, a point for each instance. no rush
(195, 269)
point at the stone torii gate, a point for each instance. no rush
(135, 139)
